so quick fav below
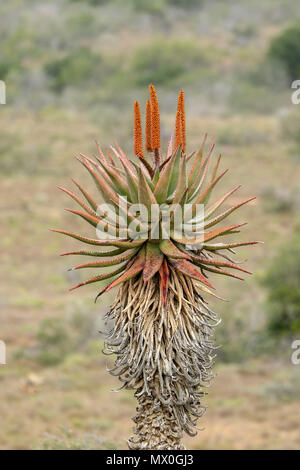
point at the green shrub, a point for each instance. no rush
(58, 338)
(163, 61)
(152, 7)
(6, 66)
(185, 3)
(93, 2)
(285, 49)
(282, 281)
(78, 68)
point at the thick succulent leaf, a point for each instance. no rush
(116, 177)
(226, 213)
(171, 251)
(132, 185)
(221, 231)
(88, 198)
(218, 263)
(79, 201)
(90, 241)
(189, 270)
(101, 154)
(226, 246)
(148, 167)
(170, 146)
(125, 160)
(146, 196)
(98, 168)
(223, 272)
(203, 197)
(108, 194)
(110, 262)
(132, 271)
(161, 188)
(212, 209)
(164, 281)
(153, 262)
(180, 238)
(146, 176)
(181, 185)
(97, 221)
(101, 277)
(92, 220)
(100, 254)
(215, 170)
(156, 177)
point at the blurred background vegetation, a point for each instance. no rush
(72, 69)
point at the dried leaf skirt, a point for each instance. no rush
(165, 354)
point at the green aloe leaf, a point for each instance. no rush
(99, 278)
(129, 273)
(171, 251)
(226, 213)
(221, 231)
(226, 246)
(90, 241)
(212, 209)
(111, 262)
(79, 201)
(146, 196)
(89, 199)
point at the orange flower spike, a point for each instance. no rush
(178, 137)
(182, 116)
(155, 118)
(138, 136)
(148, 136)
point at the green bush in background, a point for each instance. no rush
(282, 281)
(285, 49)
(163, 61)
(77, 68)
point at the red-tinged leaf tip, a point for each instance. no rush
(187, 268)
(164, 280)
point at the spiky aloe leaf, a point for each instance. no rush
(99, 278)
(226, 213)
(187, 268)
(111, 262)
(136, 267)
(100, 254)
(170, 250)
(153, 261)
(91, 241)
(164, 280)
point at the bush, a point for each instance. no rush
(285, 49)
(92, 2)
(58, 338)
(152, 7)
(78, 68)
(282, 281)
(185, 3)
(164, 61)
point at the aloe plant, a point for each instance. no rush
(163, 326)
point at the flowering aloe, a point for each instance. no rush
(163, 327)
